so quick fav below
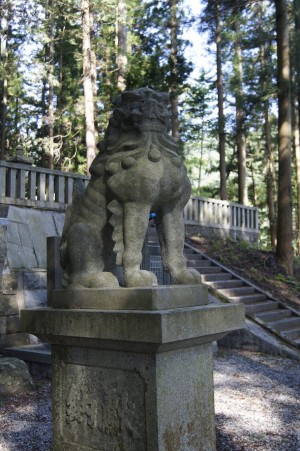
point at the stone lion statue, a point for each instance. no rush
(137, 171)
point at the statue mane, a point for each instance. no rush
(139, 113)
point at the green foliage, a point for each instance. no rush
(26, 67)
(149, 59)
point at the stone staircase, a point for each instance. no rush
(260, 307)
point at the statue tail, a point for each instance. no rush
(116, 221)
(72, 211)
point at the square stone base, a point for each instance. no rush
(108, 400)
(134, 380)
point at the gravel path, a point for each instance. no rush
(257, 403)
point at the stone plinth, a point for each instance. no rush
(133, 380)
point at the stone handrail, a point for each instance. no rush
(221, 214)
(30, 186)
(25, 185)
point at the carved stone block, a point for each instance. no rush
(132, 379)
(137, 172)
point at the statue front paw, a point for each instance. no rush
(187, 277)
(93, 280)
(139, 278)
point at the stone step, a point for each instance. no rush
(193, 256)
(222, 284)
(292, 334)
(286, 324)
(274, 315)
(189, 251)
(38, 358)
(208, 269)
(251, 299)
(40, 353)
(239, 291)
(196, 263)
(253, 309)
(216, 277)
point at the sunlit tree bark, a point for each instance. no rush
(121, 44)
(297, 113)
(284, 250)
(174, 70)
(89, 80)
(51, 86)
(240, 116)
(221, 116)
(6, 11)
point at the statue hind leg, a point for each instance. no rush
(86, 260)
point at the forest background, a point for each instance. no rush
(235, 118)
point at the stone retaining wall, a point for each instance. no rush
(23, 262)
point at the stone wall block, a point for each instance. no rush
(9, 283)
(13, 233)
(25, 235)
(9, 305)
(19, 339)
(59, 220)
(35, 280)
(2, 325)
(15, 256)
(3, 245)
(35, 298)
(12, 324)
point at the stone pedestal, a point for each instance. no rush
(139, 378)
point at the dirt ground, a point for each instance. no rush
(257, 406)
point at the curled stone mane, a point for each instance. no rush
(137, 113)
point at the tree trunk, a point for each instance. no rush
(89, 81)
(284, 250)
(240, 117)
(297, 113)
(221, 116)
(270, 170)
(44, 119)
(200, 160)
(297, 164)
(121, 44)
(270, 176)
(174, 70)
(51, 87)
(6, 32)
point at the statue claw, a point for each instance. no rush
(93, 280)
(187, 277)
(140, 278)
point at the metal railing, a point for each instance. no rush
(30, 186)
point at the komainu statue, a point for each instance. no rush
(137, 171)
